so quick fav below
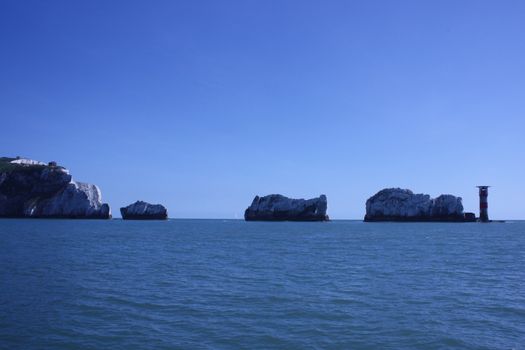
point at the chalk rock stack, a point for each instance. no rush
(276, 207)
(144, 211)
(395, 204)
(32, 189)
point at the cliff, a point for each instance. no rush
(395, 204)
(276, 207)
(34, 190)
(144, 211)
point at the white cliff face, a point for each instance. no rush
(144, 210)
(26, 161)
(400, 204)
(34, 189)
(76, 200)
(278, 207)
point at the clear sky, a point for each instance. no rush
(201, 105)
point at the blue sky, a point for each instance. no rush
(201, 105)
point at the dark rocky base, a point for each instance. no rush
(306, 219)
(466, 218)
(144, 217)
(75, 217)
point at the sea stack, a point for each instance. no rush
(395, 204)
(33, 189)
(276, 207)
(144, 211)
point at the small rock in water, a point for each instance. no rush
(144, 211)
(276, 207)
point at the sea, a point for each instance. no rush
(230, 284)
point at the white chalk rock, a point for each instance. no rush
(395, 204)
(276, 207)
(76, 200)
(26, 161)
(144, 211)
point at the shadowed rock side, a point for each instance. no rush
(31, 189)
(144, 211)
(395, 204)
(276, 207)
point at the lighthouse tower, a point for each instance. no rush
(483, 203)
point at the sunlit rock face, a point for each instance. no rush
(144, 211)
(77, 200)
(396, 204)
(276, 207)
(32, 189)
(26, 161)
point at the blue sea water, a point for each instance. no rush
(229, 284)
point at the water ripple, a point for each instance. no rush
(205, 284)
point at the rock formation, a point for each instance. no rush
(144, 211)
(34, 190)
(395, 204)
(276, 207)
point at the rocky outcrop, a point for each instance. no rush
(276, 207)
(76, 200)
(395, 204)
(34, 190)
(144, 211)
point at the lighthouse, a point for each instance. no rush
(483, 203)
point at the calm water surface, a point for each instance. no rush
(216, 284)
